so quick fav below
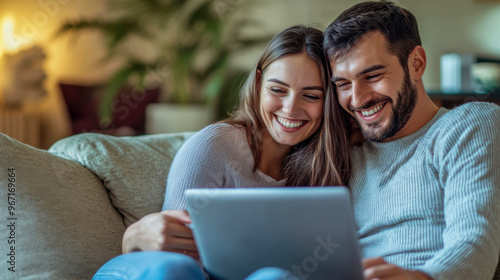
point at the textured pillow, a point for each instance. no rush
(57, 220)
(133, 169)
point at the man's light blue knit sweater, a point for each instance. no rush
(430, 201)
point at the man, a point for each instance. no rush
(426, 181)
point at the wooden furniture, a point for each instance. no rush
(21, 125)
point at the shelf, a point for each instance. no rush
(450, 100)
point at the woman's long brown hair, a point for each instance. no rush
(324, 159)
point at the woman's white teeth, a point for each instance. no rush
(372, 111)
(288, 124)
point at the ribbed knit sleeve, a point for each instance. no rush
(200, 163)
(467, 153)
(218, 156)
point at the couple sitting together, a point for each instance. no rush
(424, 181)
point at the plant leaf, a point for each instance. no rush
(115, 31)
(215, 82)
(118, 80)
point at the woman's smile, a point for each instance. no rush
(290, 124)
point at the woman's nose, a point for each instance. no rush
(291, 106)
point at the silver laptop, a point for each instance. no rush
(308, 231)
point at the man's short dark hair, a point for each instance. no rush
(398, 25)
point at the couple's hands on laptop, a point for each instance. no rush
(163, 231)
(377, 268)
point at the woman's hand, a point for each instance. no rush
(163, 231)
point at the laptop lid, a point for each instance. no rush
(308, 231)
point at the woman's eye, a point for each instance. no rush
(312, 97)
(277, 90)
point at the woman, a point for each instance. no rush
(288, 130)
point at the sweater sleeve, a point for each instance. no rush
(199, 163)
(467, 160)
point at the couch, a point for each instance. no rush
(64, 211)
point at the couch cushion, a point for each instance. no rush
(133, 169)
(58, 222)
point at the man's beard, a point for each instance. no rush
(402, 109)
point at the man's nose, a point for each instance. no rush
(359, 94)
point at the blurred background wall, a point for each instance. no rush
(464, 26)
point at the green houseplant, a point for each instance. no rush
(192, 39)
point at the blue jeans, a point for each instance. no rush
(168, 266)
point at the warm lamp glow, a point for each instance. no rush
(8, 34)
(11, 42)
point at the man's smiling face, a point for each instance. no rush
(375, 89)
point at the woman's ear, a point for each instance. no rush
(416, 63)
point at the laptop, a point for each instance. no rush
(308, 231)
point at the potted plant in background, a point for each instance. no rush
(190, 43)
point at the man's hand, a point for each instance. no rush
(377, 268)
(163, 231)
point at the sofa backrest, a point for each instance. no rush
(61, 223)
(66, 209)
(133, 169)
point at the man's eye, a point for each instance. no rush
(373, 77)
(341, 85)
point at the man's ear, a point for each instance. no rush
(417, 60)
